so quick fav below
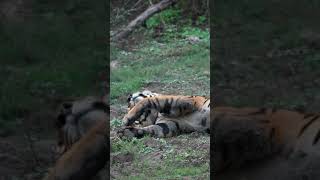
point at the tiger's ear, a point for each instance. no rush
(143, 94)
(129, 97)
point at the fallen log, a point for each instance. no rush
(142, 18)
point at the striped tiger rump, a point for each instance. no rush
(165, 115)
(243, 135)
(85, 159)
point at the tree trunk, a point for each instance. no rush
(142, 18)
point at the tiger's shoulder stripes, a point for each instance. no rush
(170, 114)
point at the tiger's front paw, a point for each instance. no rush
(127, 121)
(130, 132)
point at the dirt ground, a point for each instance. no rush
(269, 61)
(29, 152)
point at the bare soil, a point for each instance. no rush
(29, 152)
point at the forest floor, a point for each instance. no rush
(263, 59)
(48, 55)
(267, 56)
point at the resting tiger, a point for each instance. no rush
(164, 115)
(243, 135)
(76, 118)
(85, 158)
(83, 140)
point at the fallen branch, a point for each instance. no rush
(142, 18)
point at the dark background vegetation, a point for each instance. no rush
(266, 53)
(123, 11)
(50, 51)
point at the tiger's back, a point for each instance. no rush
(167, 115)
(241, 135)
(263, 132)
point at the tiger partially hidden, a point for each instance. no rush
(266, 143)
(240, 135)
(83, 140)
(165, 115)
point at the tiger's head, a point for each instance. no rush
(150, 116)
(76, 118)
(134, 98)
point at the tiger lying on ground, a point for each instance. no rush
(76, 118)
(164, 115)
(241, 135)
(83, 140)
(244, 135)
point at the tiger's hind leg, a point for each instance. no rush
(160, 129)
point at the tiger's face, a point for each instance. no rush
(134, 98)
(150, 116)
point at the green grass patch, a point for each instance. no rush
(174, 164)
(167, 16)
(174, 62)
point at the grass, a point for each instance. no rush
(173, 62)
(175, 161)
(170, 64)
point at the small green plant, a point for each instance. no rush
(201, 20)
(146, 150)
(116, 123)
(166, 16)
(193, 31)
(130, 145)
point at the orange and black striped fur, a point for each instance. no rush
(165, 115)
(243, 135)
(83, 140)
(85, 158)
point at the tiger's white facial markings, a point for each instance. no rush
(134, 98)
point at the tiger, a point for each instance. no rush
(150, 116)
(83, 142)
(76, 118)
(246, 135)
(240, 136)
(165, 115)
(85, 159)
